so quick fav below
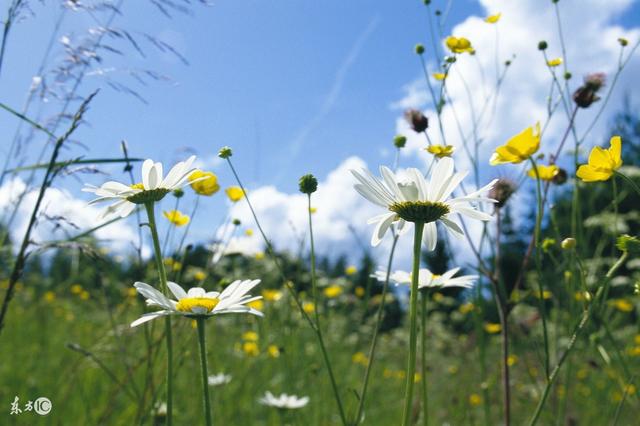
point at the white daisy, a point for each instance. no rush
(197, 301)
(219, 379)
(415, 200)
(284, 401)
(152, 188)
(427, 279)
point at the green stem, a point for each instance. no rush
(318, 329)
(573, 339)
(629, 181)
(423, 358)
(413, 324)
(163, 282)
(203, 367)
(537, 232)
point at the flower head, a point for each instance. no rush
(439, 76)
(153, 187)
(176, 217)
(602, 162)
(234, 193)
(459, 44)
(429, 280)
(554, 62)
(519, 148)
(204, 183)
(289, 402)
(219, 379)
(414, 199)
(417, 120)
(440, 151)
(492, 19)
(198, 302)
(587, 94)
(544, 172)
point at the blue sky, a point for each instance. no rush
(293, 86)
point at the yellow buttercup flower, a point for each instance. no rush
(622, 305)
(439, 76)
(512, 360)
(273, 351)
(234, 193)
(359, 291)
(250, 336)
(360, 358)
(519, 148)
(544, 172)
(258, 305)
(466, 308)
(440, 151)
(271, 295)
(76, 289)
(250, 348)
(554, 62)
(208, 186)
(602, 162)
(492, 328)
(49, 296)
(199, 276)
(313, 210)
(475, 399)
(259, 255)
(176, 217)
(333, 291)
(492, 19)
(248, 232)
(308, 307)
(351, 270)
(459, 44)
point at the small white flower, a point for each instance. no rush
(197, 301)
(152, 188)
(427, 279)
(219, 379)
(415, 200)
(284, 401)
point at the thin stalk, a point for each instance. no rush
(629, 181)
(163, 282)
(374, 340)
(413, 324)
(537, 232)
(423, 358)
(314, 287)
(203, 368)
(573, 339)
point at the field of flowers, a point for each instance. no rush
(493, 321)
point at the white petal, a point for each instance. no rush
(453, 227)
(381, 228)
(440, 175)
(430, 236)
(150, 316)
(146, 171)
(470, 212)
(177, 291)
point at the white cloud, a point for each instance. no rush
(59, 203)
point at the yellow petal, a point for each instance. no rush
(589, 174)
(615, 151)
(599, 158)
(492, 19)
(438, 76)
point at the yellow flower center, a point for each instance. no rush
(138, 186)
(420, 211)
(197, 305)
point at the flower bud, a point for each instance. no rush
(542, 45)
(236, 222)
(399, 141)
(623, 41)
(501, 191)
(419, 49)
(178, 193)
(417, 120)
(568, 244)
(568, 75)
(225, 152)
(308, 184)
(628, 244)
(560, 177)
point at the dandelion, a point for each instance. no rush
(519, 148)
(492, 19)
(440, 151)
(176, 217)
(153, 187)
(492, 328)
(219, 379)
(273, 351)
(416, 200)
(197, 302)
(602, 163)
(439, 76)
(234, 193)
(333, 291)
(204, 183)
(459, 44)
(427, 279)
(284, 401)
(546, 173)
(554, 62)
